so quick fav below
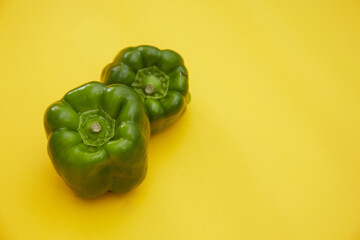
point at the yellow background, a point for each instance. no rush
(268, 149)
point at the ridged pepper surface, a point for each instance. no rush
(98, 137)
(158, 76)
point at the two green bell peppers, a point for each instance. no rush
(158, 76)
(98, 134)
(98, 137)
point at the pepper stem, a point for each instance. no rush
(149, 89)
(96, 127)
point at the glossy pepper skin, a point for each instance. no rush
(158, 76)
(98, 139)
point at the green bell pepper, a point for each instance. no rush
(98, 139)
(158, 76)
